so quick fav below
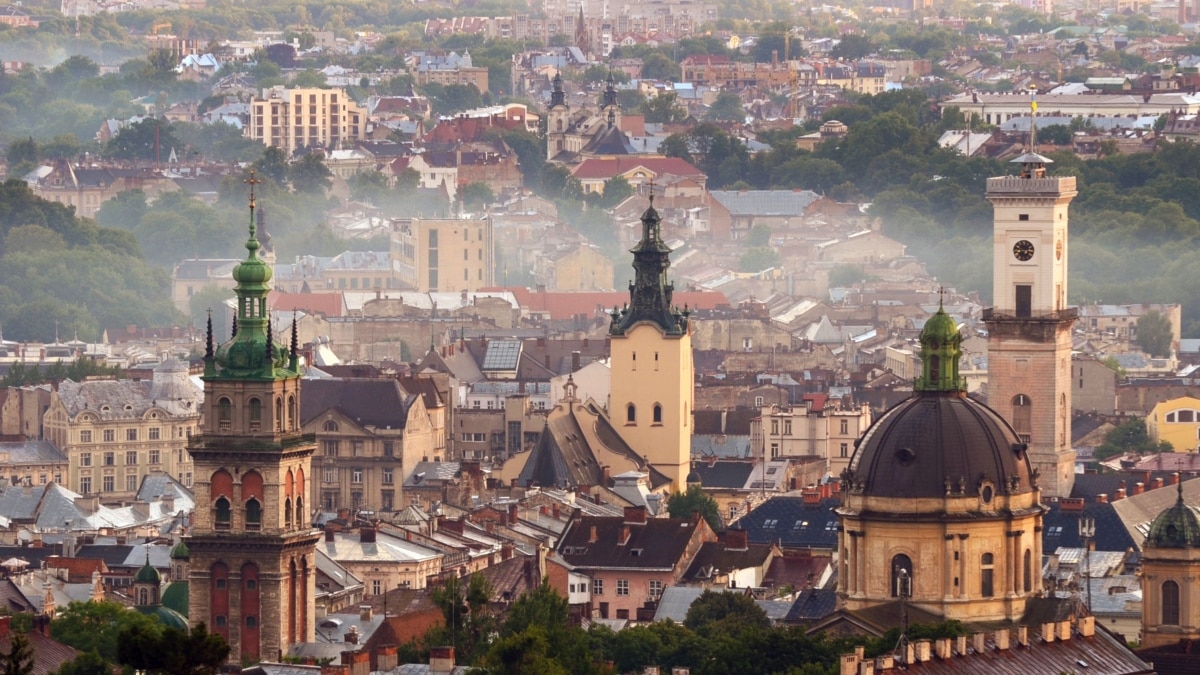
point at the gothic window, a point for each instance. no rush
(253, 515)
(224, 414)
(631, 414)
(1170, 603)
(657, 413)
(902, 576)
(987, 586)
(222, 515)
(255, 414)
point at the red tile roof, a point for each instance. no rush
(605, 168)
(563, 305)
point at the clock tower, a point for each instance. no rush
(252, 566)
(1029, 326)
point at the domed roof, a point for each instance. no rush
(147, 575)
(938, 444)
(180, 551)
(1176, 527)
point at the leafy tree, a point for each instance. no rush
(684, 504)
(19, 659)
(1154, 334)
(95, 626)
(87, 663)
(1130, 436)
(718, 612)
(727, 108)
(309, 175)
(477, 195)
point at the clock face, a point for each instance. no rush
(1023, 250)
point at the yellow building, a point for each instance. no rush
(291, 119)
(114, 432)
(652, 372)
(443, 254)
(1177, 422)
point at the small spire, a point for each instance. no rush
(208, 340)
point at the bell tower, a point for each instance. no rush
(652, 394)
(1029, 326)
(252, 565)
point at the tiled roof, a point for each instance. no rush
(791, 523)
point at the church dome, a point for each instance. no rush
(940, 443)
(1176, 527)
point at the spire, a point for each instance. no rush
(650, 293)
(941, 348)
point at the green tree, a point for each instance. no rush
(1154, 334)
(727, 108)
(1130, 436)
(684, 504)
(19, 659)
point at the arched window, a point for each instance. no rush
(287, 513)
(1022, 416)
(329, 425)
(255, 414)
(222, 514)
(987, 575)
(224, 414)
(1170, 603)
(1028, 571)
(253, 515)
(657, 414)
(902, 576)
(631, 414)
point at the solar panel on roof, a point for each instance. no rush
(502, 355)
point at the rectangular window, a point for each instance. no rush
(131, 458)
(109, 483)
(131, 434)
(155, 433)
(622, 587)
(110, 435)
(155, 457)
(597, 587)
(85, 459)
(85, 436)
(110, 459)
(85, 484)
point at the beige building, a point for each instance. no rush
(370, 433)
(115, 432)
(292, 119)
(1029, 328)
(443, 254)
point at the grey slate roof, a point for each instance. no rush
(765, 202)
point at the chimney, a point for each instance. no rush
(736, 539)
(1063, 628)
(1002, 637)
(593, 537)
(979, 642)
(960, 645)
(366, 535)
(1048, 632)
(942, 648)
(1023, 636)
(364, 612)
(635, 514)
(441, 659)
(1087, 624)
(1102, 498)
(386, 657)
(1138, 488)
(923, 651)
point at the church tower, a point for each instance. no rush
(558, 119)
(252, 548)
(1029, 326)
(652, 393)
